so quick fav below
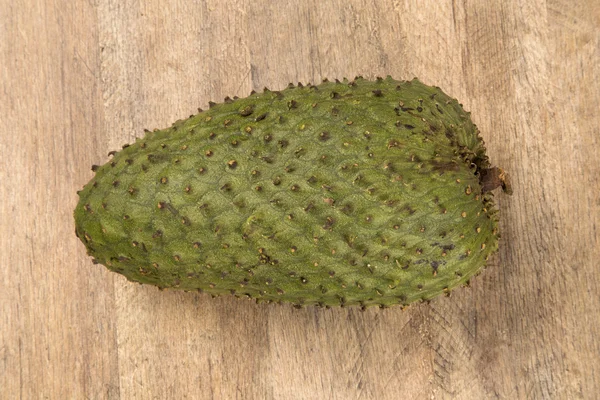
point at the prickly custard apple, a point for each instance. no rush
(343, 193)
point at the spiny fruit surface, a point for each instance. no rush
(345, 193)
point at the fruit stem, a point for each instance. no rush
(494, 177)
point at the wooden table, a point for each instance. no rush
(81, 78)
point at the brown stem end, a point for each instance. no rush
(493, 178)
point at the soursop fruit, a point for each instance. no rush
(344, 193)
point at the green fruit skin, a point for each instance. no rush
(346, 193)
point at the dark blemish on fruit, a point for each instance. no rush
(329, 221)
(261, 117)
(309, 207)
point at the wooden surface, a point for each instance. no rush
(81, 78)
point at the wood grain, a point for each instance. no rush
(81, 78)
